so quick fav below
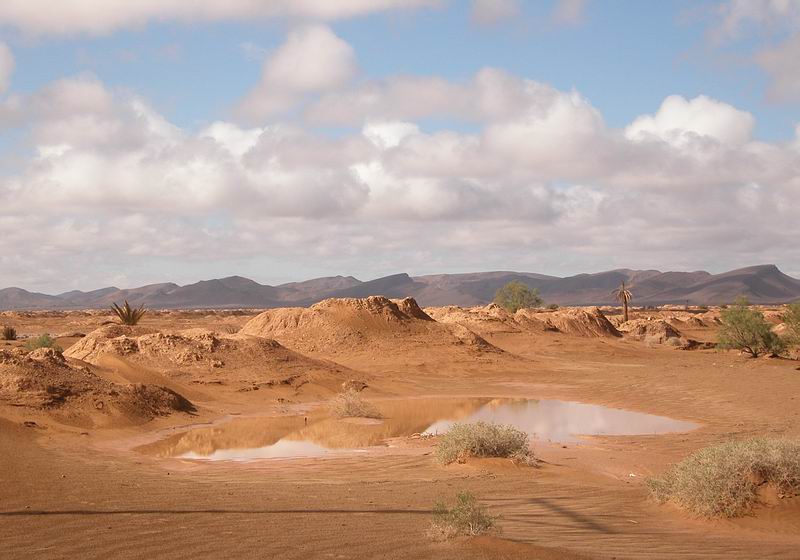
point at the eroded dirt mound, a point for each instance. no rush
(207, 357)
(44, 379)
(656, 331)
(488, 319)
(335, 326)
(583, 322)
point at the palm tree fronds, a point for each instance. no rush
(127, 314)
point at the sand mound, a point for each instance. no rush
(656, 331)
(44, 379)
(582, 322)
(376, 323)
(205, 357)
(489, 319)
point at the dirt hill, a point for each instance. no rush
(373, 324)
(43, 380)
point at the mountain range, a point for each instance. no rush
(760, 284)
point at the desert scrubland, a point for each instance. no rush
(211, 433)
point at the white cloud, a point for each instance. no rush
(680, 121)
(781, 65)
(735, 18)
(569, 12)
(6, 66)
(312, 60)
(67, 17)
(487, 12)
(540, 177)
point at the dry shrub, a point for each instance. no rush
(466, 517)
(483, 439)
(9, 333)
(350, 404)
(723, 480)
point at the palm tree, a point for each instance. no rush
(624, 296)
(127, 314)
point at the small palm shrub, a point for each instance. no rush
(127, 314)
(723, 480)
(43, 341)
(483, 439)
(9, 333)
(350, 404)
(466, 517)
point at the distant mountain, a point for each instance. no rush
(760, 284)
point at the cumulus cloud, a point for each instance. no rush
(538, 178)
(67, 17)
(680, 121)
(6, 66)
(312, 60)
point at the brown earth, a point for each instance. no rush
(78, 485)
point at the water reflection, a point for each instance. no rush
(317, 434)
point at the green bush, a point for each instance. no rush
(9, 333)
(128, 315)
(516, 295)
(466, 517)
(482, 439)
(723, 480)
(746, 329)
(792, 320)
(43, 341)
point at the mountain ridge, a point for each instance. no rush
(760, 284)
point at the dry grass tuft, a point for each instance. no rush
(350, 404)
(724, 480)
(482, 439)
(43, 341)
(466, 517)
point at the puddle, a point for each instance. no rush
(316, 435)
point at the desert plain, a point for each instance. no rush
(130, 444)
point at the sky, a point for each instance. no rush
(169, 140)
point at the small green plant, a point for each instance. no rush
(9, 333)
(350, 404)
(466, 517)
(127, 314)
(516, 295)
(746, 329)
(723, 480)
(483, 439)
(43, 341)
(552, 307)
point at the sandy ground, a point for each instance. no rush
(77, 491)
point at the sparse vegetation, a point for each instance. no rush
(43, 341)
(792, 320)
(350, 404)
(466, 517)
(9, 333)
(552, 307)
(128, 315)
(483, 439)
(724, 480)
(624, 296)
(516, 295)
(745, 329)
